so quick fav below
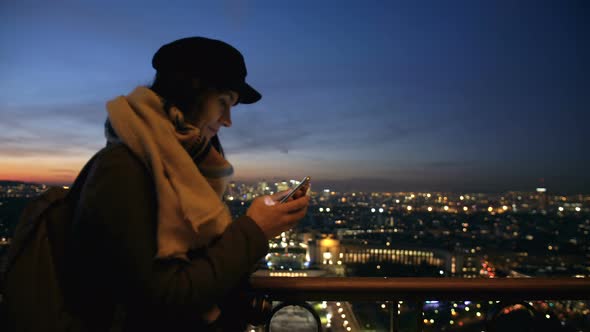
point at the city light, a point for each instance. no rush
(409, 208)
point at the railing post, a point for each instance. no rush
(394, 316)
(420, 316)
(391, 327)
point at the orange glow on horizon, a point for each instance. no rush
(63, 170)
(41, 170)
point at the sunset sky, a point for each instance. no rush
(360, 95)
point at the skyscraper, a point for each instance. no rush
(542, 198)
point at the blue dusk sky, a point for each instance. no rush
(360, 95)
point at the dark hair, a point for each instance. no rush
(186, 93)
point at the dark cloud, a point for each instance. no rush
(63, 171)
(255, 131)
(53, 130)
(85, 112)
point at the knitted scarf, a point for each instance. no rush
(190, 177)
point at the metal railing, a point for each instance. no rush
(418, 290)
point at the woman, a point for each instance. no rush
(154, 246)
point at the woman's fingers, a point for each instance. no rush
(301, 192)
(294, 205)
(276, 218)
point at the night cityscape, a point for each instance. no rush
(444, 140)
(413, 234)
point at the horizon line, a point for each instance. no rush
(68, 184)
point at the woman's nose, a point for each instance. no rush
(226, 119)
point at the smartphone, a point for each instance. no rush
(303, 183)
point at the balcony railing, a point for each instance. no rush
(418, 290)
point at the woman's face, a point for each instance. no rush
(215, 112)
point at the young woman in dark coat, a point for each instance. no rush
(154, 246)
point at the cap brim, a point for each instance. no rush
(248, 95)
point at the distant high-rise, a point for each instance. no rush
(262, 187)
(282, 186)
(542, 198)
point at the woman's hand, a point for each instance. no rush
(274, 218)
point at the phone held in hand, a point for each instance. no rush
(303, 182)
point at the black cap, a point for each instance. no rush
(212, 60)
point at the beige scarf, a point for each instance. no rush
(191, 212)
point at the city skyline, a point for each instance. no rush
(405, 236)
(458, 96)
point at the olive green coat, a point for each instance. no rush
(116, 281)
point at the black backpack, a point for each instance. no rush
(34, 268)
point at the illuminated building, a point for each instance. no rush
(282, 186)
(334, 252)
(542, 198)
